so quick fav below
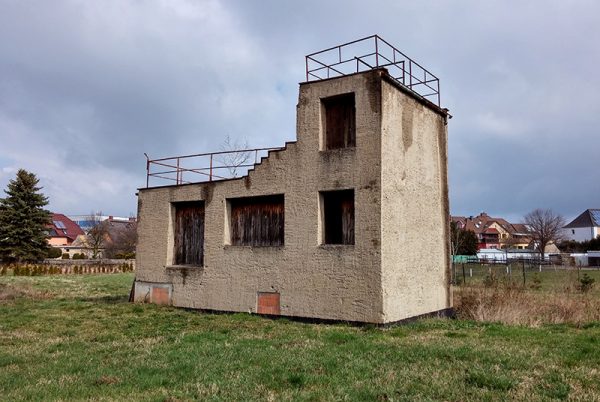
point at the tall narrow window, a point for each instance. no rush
(257, 221)
(337, 217)
(340, 121)
(189, 233)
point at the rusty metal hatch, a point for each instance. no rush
(189, 233)
(268, 303)
(340, 121)
(257, 221)
(338, 217)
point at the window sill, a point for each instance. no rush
(183, 267)
(231, 246)
(335, 246)
(337, 150)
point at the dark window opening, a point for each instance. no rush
(257, 221)
(189, 233)
(340, 121)
(338, 217)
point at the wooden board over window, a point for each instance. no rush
(338, 217)
(340, 121)
(257, 221)
(189, 233)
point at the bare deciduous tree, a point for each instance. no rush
(234, 160)
(545, 226)
(123, 239)
(97, 234)
(462, 241)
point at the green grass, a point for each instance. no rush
(76, 337)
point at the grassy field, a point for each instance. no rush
(552, 278)
(76, 337)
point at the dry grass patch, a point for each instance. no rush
(10, 292)
(517, 306)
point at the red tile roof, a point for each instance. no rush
(64, 227)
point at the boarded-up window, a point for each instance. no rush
(257, 221)
(189, 233)
(340, 121)
(338, 217)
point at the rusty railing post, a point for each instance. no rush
(403, 73)
(177, 172)
(211, 168)
(147, 170)
(376, 52)
(306, 62)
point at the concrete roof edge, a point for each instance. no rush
(386, 75)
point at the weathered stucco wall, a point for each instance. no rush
(414, 205)
(397, 267)
(331, 282)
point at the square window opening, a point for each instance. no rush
(337, 217)
(257, 221)
(340, 121)
(189, 233)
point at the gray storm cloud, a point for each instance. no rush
(87, 87)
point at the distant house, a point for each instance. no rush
(495, 233)
(118, 236)
(121, 236)
(62, 231)
(585, 227)
(86, 222)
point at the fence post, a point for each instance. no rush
(464, 276)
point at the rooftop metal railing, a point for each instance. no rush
(206, 167)
(370, 53)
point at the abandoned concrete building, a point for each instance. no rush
(349, 222)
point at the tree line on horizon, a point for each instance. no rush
(24, 225)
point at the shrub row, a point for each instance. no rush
(76, 256)
(43, 269)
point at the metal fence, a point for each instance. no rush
(370, 53)
(196, 168)
(526, 272)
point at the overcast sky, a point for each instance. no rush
(86, 87)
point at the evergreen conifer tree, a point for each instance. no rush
(23, 220)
